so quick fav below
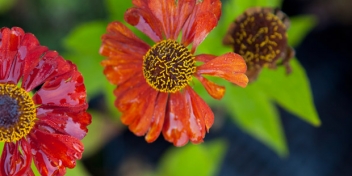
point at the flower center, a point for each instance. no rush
(168, 66)
(260, 36)
(17, 113)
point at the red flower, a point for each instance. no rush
(153, 91)
(47, 127)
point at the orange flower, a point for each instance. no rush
(153, 91)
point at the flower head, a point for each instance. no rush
(259, 35)
(153, 91)
(46, 127)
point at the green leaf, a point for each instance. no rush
(268, 3)
(6, 5)
(292, 92)
(83, 45)
(299, 28)
(117, 8)
(191, 160)
(253, 111)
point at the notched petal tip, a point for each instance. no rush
(216, 91)
(229, 66)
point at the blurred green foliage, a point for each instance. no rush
(192, 160)
(253, 109)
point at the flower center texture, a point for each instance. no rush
(260, 37)
(17, 113)
(168, 66)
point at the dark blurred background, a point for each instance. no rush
(325, 53)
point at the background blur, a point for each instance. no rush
(229, 149)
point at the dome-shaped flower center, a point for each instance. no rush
(168, 66)
(17, 113)
(259, 35)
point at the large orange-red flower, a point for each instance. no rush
(153, 91)
(47, 127)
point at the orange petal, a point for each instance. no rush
(201, 110)
(213, 89)
(158, 118)
(134, 105)
(141, 125)
(174, 130)
(146, 22)
(130, 96)
(122, 72)
(229, 66)
(195, 123)
(172, 14)
(119, 39)
(204, 18)
(205, 57)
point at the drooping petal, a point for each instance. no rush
(121, 40)
(213, 89)
(73, 124)
(141, 124)
(16, 158)
(51, 65)
(194, 124)
(53, 152)
(201, 110)
(145, 21)
(229, 66)
(171, 14)
(174, 129)
(10, 42)
(203, 19)
(66, 92)
(158, 118)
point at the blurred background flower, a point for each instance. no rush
(266, 129)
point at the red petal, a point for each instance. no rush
(172, 14)
(16, 158)
(63, 92)
(121, 40)
(25, 51)
(174, 129)
(229, 66)
(158, 118)
(205, 57)
(201, 110)
(10, 45)
(204, 18)
(53, 152)
(49, 66)
(122, 72)
(193, 124)
(73, 124)
(213, 89)
(142, 123)
(145, 21)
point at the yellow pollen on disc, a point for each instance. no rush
(168, 66)
(17, 113)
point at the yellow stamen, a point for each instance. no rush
(17, 113)
(168, 66)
